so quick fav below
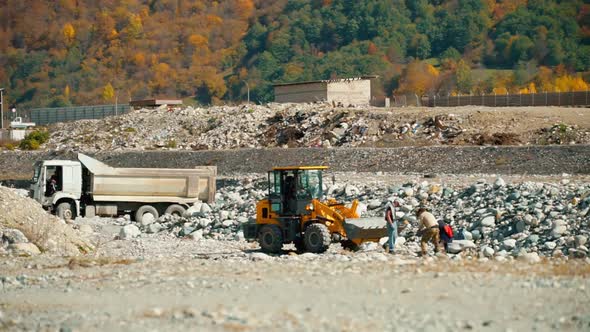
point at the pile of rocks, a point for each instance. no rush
(491, 220)
(27, 229)
(562, 134)
(251, 126)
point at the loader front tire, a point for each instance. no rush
(316, 238)
(270, 238)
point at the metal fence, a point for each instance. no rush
(44, 116)
(578, 98)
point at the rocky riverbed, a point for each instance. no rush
(522, 264)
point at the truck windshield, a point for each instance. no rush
(37, 173)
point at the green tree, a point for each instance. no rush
(463, 77)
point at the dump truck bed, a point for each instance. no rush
(108, 183)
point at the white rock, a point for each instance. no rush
(488, 252)
(530, 257)
(259, 256)
(499, 183)
(196, 235)
(227, 223)
(24, 249)
(489, 221)
(550, 245)
(129, 232)
(12, 235)
(580, 240)
(147, 219)
(509, 244)
(205, 208)
(457, 246)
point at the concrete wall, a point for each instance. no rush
(355, 92)
(301, 93)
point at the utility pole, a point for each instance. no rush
(116, 103)
(1, 108)
(248, 88)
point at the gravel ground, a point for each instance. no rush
(164, 282)
(159, 283)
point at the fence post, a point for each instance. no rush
(495, 104)
(559, 98)
(533, 96)
(546, 98)
(520, 98)
(586, 97)
(434, 99)
(507, 98)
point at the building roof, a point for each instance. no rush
(367, 77)
(155, 102)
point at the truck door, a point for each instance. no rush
(274, 194)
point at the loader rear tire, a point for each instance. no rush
(317, 238)
(270, 238)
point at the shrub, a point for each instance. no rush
(171, 144)
(34, 140)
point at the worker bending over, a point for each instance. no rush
(428, 227)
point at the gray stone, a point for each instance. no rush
(153, 228)
(458, 246)
(488, 221)
(196, 235)
(488, 252)
(129, 232)
(24, 249)
(509, 244)
(227, 223)
(580, 240)
(476, 234)
(499, 183)
(351, 190)
(147, 219)
(205, 208)
(467, 235)
(550, 245)
(533, 239)
(13, 236)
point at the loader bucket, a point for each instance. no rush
(365, 229)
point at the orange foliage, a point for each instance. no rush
(214, 20)
(244, 8)
(419, 78)
(69, 33)
(372, 49)
(198, 40)
(139, 59)
(500, 9)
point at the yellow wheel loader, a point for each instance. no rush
(293, 212)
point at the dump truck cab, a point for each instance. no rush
(58, 183)
(294, 212)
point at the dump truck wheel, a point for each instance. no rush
(316, 238)
(270, 238)
(175, 209)
(64, 211)
(144, 210)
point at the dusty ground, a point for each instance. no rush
(228, 287)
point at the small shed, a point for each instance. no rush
(346, 91)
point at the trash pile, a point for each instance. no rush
(561, 134)
(490, 220)
(249, 126)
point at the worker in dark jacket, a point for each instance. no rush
(445, 237)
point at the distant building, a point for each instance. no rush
(347, 91)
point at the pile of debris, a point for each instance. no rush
(562, 134)
(494, 220)
(26, 229)
(251, 126)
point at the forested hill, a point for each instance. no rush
(74, 52)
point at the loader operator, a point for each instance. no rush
(428, 227)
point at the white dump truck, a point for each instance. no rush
(88, 187)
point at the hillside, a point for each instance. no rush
(70, 52)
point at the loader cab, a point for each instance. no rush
(291, 189)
